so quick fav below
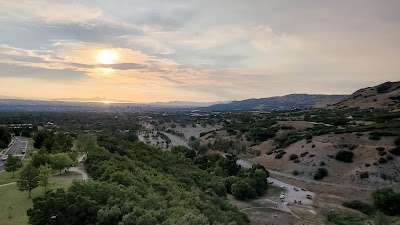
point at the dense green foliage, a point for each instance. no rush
(134, 183)
(5, 137)
(363, 207)
(54, 143)
(387, 200)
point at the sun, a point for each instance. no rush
(106, 57)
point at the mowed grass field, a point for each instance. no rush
(19, 201)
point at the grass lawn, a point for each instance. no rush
(19, 201)
(275, 191)
(6, 177)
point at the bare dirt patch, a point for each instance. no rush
(321, 152)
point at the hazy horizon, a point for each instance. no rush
(200, 51)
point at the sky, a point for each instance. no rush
(195, 50)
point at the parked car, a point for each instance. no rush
(4, 158)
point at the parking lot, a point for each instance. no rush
(293, 193)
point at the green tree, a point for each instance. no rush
(13, 164)
(86, 143)
(387, 200)
(187, 219)
(29, 179)
(242, 190)
(44, 176)
(5, 137)
(60, 161)
(39, 138)
(40, 158)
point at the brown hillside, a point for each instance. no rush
(386, 95)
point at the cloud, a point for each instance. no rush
(48, 11)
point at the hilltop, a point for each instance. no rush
(293, 101)
(386, 96)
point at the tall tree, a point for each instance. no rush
(86, 143)
(13, 164)
(29, 179)
(60, 161)
(44, 176)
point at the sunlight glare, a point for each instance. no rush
(106, 57)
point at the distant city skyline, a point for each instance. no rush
(201, 51)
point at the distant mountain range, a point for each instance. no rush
(278, 103)
(386, 95)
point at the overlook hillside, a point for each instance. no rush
(384, 96)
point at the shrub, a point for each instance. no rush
(397, 141)
(364, 175)
(296, 160)
(322, 163)
(295, 172)
(395, 151)
(278, 156)
(303, 154)
(375, 138)
(344, 156)
(382, 160)
(360, 206)
(380, 149)
(389, 157)
(312, 146)
(270, 152)
(387, 200)
(367, 165)
(293, 157)
(382, 153)
(321, 173)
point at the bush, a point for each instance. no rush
(397, 141)
(322, 163)
(312, 146)
(382, 160)
(321, 173)
(380, 149)
(296, 160)
(395, 151)
(278, 156)
(344, 156)
(270, 152)
(387, 200)
(389, 157)
(295, 172)
(374, 138)
(382, 153)
(303, 154)
(293, 157)
(364, 175)
(360, 206)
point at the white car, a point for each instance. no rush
(4, 158)
(23, 150)
(283, 186)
